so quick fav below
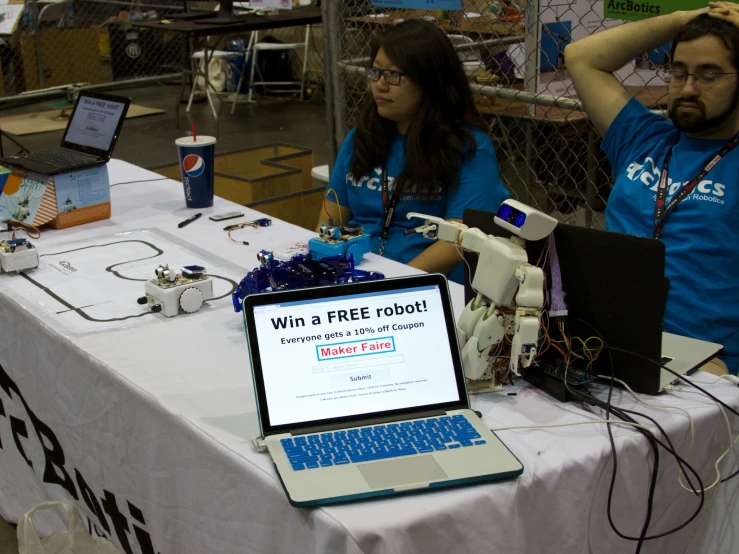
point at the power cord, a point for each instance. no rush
(689, 382)
(622, 414)
(663, 407)
(681, 377)
(732, 443)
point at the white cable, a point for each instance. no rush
(733, 442)
(460, 251)
(640, 400)
(591, 422)
(728, 377)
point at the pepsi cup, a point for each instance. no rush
(196, 166)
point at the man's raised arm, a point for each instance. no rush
(592, 60)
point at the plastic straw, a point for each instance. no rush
(194, 134)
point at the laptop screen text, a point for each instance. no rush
(94, 122)
(352, 355)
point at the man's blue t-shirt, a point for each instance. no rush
(700, 234)
(479, 187)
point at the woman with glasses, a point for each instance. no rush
(419, 147)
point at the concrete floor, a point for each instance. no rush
(149, 142)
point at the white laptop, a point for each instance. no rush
(361, 393)
(683, 355)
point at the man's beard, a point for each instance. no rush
(699, 123)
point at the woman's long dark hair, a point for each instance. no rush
(439, 137)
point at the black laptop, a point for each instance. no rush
(616, 284)
(88, 141)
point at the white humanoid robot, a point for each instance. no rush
(510, 291)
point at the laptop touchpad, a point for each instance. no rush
(403, 471)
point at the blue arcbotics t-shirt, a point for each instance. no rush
(479, 187)
(701, 233)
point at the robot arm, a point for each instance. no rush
(509, 290)
(449, 231)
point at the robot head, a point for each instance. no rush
(524, 221)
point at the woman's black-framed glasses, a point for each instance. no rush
(391, 77)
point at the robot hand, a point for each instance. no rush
(437, 228)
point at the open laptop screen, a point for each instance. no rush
(365, 353)
(94, 122)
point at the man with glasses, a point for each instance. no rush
(677, 180)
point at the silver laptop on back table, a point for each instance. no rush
(361, 393)
(683, 355)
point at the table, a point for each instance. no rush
(306, 15)
(150, 427)
(456, 22)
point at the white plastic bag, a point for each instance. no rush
(75, 540)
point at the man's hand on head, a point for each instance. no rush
(727, 11)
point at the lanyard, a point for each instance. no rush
(660, 210)
(388, 204)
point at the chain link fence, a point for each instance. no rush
(512, 51)
(44, 45)
(53, 44)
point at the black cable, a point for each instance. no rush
(667, 439)
(691, 383)
(140, 181)
(671, 451)
(655, 466)
(650, 436)
(688, 381)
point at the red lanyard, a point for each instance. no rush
(660, 210)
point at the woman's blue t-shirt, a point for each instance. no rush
(479, 187)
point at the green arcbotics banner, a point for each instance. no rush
(642, 9)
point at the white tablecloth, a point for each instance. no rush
(148, 427)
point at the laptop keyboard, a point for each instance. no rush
(380, 442)
(57, 158)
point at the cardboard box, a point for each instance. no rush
(70, 55)
(61, 201)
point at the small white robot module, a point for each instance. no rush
(171, 292)
(17, 255)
